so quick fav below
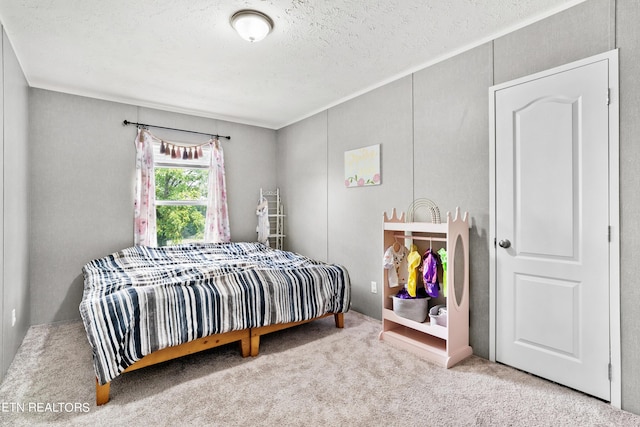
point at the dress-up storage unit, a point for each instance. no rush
(445, 345)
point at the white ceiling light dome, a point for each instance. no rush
(252, 25)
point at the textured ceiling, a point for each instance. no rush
(183, 55)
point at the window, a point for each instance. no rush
(183, 210)
(181, 194)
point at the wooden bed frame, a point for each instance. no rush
(249, 345)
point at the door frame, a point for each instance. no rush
(614, 212)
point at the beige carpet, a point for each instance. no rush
(312, 375)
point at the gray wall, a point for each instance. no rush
(14, 205)
(627, 37)
(355, 214)
(82, 183)
(451, 155)
(302, 157)
(3, 321)
(81, 195)
(433, 131)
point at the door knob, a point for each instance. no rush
(504, 243)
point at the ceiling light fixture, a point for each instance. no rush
(252, 25)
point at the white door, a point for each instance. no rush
(552, 227)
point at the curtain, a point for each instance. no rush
(216, 229)
(145, 193)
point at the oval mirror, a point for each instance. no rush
(458, 271)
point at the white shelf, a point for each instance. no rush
(420, 227)
(425, 327)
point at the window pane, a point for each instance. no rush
(181, 184)
(180, 224)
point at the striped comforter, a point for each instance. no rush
(143, 299)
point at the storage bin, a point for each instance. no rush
(415, 309)
(440, 319)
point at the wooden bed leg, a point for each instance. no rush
(245, 346)
(255, 345)
(102, 393)
(339, 318)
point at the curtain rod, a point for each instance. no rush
(127, 122)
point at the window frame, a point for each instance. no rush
(162, 161)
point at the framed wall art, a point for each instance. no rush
(362, 166)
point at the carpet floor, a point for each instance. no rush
(310, 375)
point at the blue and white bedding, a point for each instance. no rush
(142, 299)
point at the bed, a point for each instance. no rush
(144, 305)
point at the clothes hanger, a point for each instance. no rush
(396, 245)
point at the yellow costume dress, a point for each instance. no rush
(413, 262)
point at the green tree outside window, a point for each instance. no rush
(182, 217)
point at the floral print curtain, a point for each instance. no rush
(216, 229)
(145, 196)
